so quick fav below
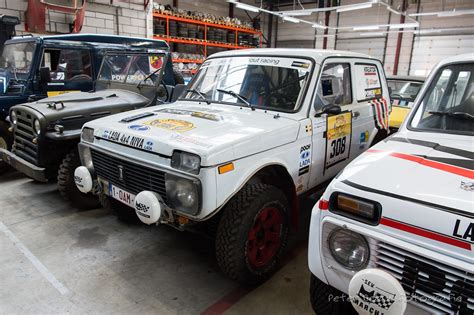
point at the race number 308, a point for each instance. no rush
(338, 147)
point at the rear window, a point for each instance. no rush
(368, 83)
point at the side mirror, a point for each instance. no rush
(44, 75)
(331, 109)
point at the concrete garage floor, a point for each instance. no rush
(55, 259)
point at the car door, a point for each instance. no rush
(371, 106)
(332, 133)
(70, 70)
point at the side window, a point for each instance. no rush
(368, 84)
(68, 64)
(334, 87)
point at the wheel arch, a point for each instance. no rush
(274, 174)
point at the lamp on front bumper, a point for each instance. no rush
(186, 162)
(348, 248)
(13, 117)
(356, 208)
(183, 193)
(87, 134)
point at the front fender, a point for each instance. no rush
(67, 135)
(230, 183)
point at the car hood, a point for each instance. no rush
(217, 133)
(86, 105)
(425, 184)
(430, 169)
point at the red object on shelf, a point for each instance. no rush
(36, 13)
(209, 24)
(188, 60)
(204, 42)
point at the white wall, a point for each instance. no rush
(100, 17)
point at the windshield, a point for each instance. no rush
(18, 57)
(403, 93)
(264, 82)
(131, 68)
(448, 105)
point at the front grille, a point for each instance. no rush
(24, 135)
(434, 285)
(136, 178)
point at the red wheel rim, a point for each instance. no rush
(264, 237)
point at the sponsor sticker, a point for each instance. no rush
(171, 124)
(467, 186)
(128, 140)
(305, 159)
(374, 291)
(364, 137)
(368, 84)
(56, 93)
(203, 115)
(139, 127)
(338, 140)
(185, 139)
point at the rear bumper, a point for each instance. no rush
(23, 166)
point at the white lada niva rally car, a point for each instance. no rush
(255, 129)
(397, 225)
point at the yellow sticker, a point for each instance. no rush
(56, 93)
(339, 126)
(171, 124)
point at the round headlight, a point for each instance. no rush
(13, 117)
(185, 193)
(37, 126)
(348, 248)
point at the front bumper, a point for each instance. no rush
(23, 166)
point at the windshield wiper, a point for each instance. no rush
(147, 77)
(237, 96)
(201, 94)
(453, 114)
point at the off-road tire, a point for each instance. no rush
(5, 143)
(327, 300)
(123, 212)
(67, 187)
(238, 219)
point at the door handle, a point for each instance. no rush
(355, 114)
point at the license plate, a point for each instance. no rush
(121, 195)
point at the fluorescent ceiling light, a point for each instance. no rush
(291, 19)
(392, 10)
(296, 13)
(247, 7)
(445, 13)
(352, 7)
(372, 34)
(405, 25)
(316, 25)
(366, 28)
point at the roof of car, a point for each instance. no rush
(99, 39)
(458, 58)
(318, 54)
(406, 78)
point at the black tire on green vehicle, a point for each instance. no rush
(67, 187)
(252, 233)
(5, 143)
(327, 300)
(123, 212)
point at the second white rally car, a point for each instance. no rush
(394, 231)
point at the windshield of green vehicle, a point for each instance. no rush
(403, 92)
(448, 104)
(131, 68)
(17, 58)
(275, 83)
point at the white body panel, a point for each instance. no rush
(423, 182)
(250, 139)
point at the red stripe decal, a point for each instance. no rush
(424, 233)
(433, 164)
